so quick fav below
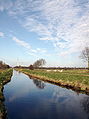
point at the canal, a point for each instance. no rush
(27, 98)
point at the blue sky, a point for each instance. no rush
(56, 30)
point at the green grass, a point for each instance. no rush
(2, 111)
(5, 76)
(61, 75)
(78, 78)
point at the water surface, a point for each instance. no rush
(26, 98)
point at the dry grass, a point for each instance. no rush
(76, 79)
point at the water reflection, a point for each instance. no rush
(68, 104)
(25, 100)
(85, 104)
(39, 84)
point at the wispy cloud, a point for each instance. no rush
(22, 43)
(28, 47)
(5, 5)
(55, 21)
(34, 25)
(1, 34)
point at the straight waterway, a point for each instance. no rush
(27, 98)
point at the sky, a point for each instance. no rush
(55, 30)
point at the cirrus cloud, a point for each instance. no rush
(1, 34)
(28, 47)
(65, 23)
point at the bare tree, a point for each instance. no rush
(39, 63)
(31, 67)
(3, 65)
(85, 55)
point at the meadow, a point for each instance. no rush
(75, 79)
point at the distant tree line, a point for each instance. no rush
(3, 65)
(37, 64)
(65, 68)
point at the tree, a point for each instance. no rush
(31, 67)
(39, 63)
(3, 65)
(85, 55)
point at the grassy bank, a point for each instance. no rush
(74, 79)
(5, 76)
(2, 110)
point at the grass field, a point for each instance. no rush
(5, 76)
(76, 79)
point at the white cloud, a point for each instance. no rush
(35, 26)
(1, 34)
(46, 38)
(28, 47)
(22, 43)
(5, 5)
(55, 21)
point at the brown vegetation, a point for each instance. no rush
(3, 65)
